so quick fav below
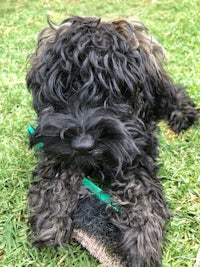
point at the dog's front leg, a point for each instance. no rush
(52, 201)
(141, 220)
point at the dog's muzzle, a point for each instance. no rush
(83, 143)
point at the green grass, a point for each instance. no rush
(176, 26)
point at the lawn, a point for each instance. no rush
(176, 26)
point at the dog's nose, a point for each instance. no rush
(83, 143)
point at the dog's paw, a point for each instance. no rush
(181, 120)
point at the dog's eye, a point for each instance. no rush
(71, 132)
(68, 133)
(107, 134)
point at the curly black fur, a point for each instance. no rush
(99, 88)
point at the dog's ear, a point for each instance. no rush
(44, 70)
(38, 69)
(137, 35)
(155, 87)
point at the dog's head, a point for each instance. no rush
(91, 82)
(93, 137)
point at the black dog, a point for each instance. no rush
(99, 89)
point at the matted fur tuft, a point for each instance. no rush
(99, 88)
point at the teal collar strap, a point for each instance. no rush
(98, 192)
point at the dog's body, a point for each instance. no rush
(99, 88)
